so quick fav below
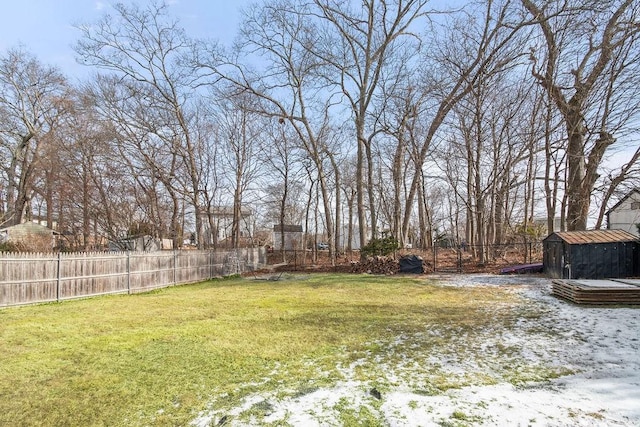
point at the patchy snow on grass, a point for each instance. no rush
(595, 351)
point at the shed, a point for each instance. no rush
(593, 254)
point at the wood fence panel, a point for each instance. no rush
(151, 270)
(27, 278)
(193, 266)
(86, 274)
(217, 265)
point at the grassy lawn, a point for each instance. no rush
(163, 357)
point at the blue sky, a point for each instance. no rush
(45, 27)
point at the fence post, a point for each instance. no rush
(128, 272)
(58, 277)
(435, 256)
(175, 259)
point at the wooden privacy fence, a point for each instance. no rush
(27, 278)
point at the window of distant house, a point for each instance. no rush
(635, 205)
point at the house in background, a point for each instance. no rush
(218, 224)
(344, 238)
(38, 219)
(625, 215)
(593, 254)
(29, 236)
(293, 237)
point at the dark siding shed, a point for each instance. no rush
(595, 254)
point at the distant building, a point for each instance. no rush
(344, 238)
(218, 224)
(43, 221)
(29, 236)
(625, 215)
(293, 237)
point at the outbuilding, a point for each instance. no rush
(593, 254)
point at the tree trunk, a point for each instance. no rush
(577, 200)
(360, 188)
(399, 232)
(86, 213)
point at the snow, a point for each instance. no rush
(599, 348)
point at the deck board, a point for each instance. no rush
(608, 291)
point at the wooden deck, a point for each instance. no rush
(607, 291)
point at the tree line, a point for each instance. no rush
(358, 119)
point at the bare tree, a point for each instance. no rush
(147, 52)
(494, 149)
(464, 51)
(210, 153)
(357, 53)
(32, 100)
(78, 147)
(145, 149)
(587, 63)
(349, 190)
(283, 181)
(241, 130)
(286, 89)
(402, 126)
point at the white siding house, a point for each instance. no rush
(625, 215)
(218, 224)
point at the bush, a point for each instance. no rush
(383, 247)
(12, 247)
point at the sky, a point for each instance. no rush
(46, 27)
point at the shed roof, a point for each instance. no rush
(595, 236)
